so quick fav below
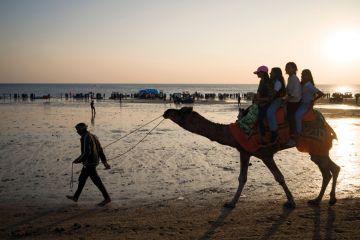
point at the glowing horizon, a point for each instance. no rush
(171, 42)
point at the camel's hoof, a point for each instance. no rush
(332, 201)
(229, 205)
(290, 205)
(314, 202)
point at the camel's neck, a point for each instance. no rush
(197, 124)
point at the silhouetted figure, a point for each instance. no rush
(309, 94)
(357, 96)
(293, 90)
(279, 92)
(91, 151)
(239, 100)
(93, 112)
(263, 96)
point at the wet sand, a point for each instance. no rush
(171, 186)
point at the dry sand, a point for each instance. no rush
(186, 219)
(171, 186)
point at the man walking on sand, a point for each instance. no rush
(93, 112)
(91, 151)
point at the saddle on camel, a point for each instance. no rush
(316, 136)
(316, 139)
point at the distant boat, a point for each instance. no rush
(347, 95)
(148, 93)
(337, 98)
(184, 97)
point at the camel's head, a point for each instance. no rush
(173, 113)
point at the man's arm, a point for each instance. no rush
(102, 154)
(318, 95)
(103, 158)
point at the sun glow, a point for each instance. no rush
(346, 146)
(345, 151)
(344, 89)
(343, 46)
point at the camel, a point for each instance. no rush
(195, 123)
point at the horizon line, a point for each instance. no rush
(35, 83)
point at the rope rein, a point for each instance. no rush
(147, 134)
(132, 132)
(72, 177)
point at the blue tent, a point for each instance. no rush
(144, 92)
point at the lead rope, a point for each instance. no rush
(147, 134)
(72, 177)
(132, 131)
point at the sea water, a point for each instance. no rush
(56, 90)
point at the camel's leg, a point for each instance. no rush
(244, 161)
(335, 169)
(270, 163)
(324, 166)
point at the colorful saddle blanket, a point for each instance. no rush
(316, 137)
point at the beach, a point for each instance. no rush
(160, 85)
(170, 186)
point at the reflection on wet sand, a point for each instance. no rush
(346, 152)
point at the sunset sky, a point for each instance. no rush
(182, 41)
